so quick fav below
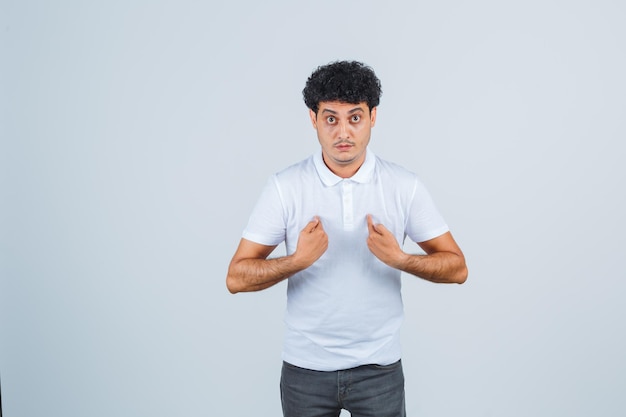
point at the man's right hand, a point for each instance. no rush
(312, 243)
(250, 270)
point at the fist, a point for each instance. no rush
(312, 243)
(383, 244)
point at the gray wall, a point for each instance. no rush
(136, 137)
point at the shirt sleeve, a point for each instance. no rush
(424, 221)
(266, 225)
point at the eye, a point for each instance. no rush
(356, 118)
(330, 119)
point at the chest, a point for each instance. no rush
(344, 206)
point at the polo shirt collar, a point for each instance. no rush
(363, 175)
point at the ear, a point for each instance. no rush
(313, 117)
(373, 115)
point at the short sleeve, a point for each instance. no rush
(424, 221)
(266, 225)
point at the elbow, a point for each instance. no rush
(231, 283)
(231, 287)
(461, 276)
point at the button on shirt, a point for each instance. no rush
(345, 310)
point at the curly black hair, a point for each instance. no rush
(346, 81)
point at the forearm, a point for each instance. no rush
(247, 275)
(440, 267)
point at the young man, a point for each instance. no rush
(343, 214)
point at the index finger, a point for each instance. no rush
(312, 224)
(370, 224)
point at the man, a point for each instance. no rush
(343, 214)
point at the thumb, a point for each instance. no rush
(380, 228)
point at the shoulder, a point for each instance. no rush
(390, 171)
(296, 177)
(296, 170)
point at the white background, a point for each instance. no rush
(136, 137)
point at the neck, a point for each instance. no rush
(343, 171)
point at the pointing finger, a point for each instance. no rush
(318, 223)
(370, 224)
(313, 224)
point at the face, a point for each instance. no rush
(343, 130)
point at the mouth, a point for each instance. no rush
(343, 146)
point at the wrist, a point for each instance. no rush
(297, 263)
(402, 260)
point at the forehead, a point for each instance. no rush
(340, 107)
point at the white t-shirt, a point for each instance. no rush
(345, 310)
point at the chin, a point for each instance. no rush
(345, 158)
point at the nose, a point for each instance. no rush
(344, 130)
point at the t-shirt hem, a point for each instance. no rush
(260, 239)
(431, 235)
(336, 366)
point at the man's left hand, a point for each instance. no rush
(383, 244)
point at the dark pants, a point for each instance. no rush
(365, 391)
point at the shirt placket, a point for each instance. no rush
(348, 205)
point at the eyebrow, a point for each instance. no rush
(354, 110)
